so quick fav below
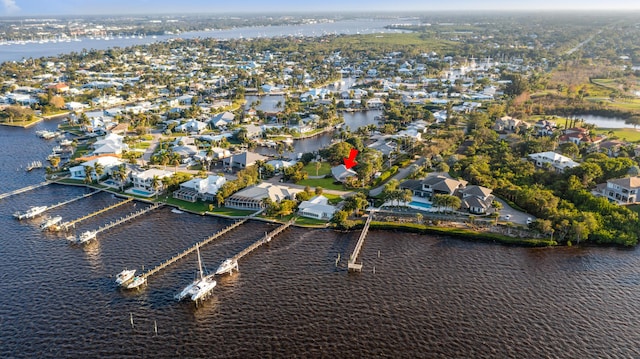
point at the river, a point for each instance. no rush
(17, 52)
(430, 296)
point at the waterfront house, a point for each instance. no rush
(200, 188)
(435, 183)
(476, 199)
(554, 160)
(317, 207)
(622, 190)
(252, 197)
(143, 181)
(108, 164)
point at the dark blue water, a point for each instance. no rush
(432, 297)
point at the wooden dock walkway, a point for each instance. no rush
(353, 266)
(128, 217)
(24, 189)
(267, 238)
(70, 224)
(191, 249)
(71, 200)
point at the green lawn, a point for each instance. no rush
(326, 183)
(310, 168)
(310, 222)
(626, 134)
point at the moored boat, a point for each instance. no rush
(200, 287)
(136, 282)
(125, 276)
(227, 266)
(86, 236)
(31, 212)
(50, 223)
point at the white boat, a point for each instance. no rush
(200, 287)
(125, 276)
(85, 237)
(136, 282)
(50, 222)
(176, 211)
(227, 266)
(66, 142)
(31, 212)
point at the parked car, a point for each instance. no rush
(507, 217)
(529, 220)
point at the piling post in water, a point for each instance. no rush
(131, 319)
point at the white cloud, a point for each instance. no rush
(10, 6)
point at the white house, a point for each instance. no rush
(557, 161)
(108, 164)
(110, 144)
(191, 126)
(143, 181)
(317, 207)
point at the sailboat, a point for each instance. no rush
(201, 286)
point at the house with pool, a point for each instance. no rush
(143, 182)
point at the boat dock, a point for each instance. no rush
(72, 200)
(70, 224)
(24, 189)
(191, 249)
(353, 266)
(128, 218)
(267, 238)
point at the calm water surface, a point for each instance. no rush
(430, 297)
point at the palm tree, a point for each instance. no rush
(155, 184)
(98, 168)
(88, 170)
(121, 175)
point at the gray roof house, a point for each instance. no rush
(341, 173)
(244, 160)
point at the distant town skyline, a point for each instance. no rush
(96, 7)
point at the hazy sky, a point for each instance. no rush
(90, 7)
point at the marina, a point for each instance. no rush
(191, 249)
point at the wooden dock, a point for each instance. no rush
(191, 249)
(267, 238)
(24, 189)
(71, 200)
(71, 224)
(128, 217)
(353, 266)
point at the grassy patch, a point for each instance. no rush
(333, 198)
(625, 134)
(324, 169)
(304, 221)
(326, 183)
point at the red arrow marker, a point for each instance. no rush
(351, 161)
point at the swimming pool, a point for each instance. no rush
(140, 192)
(420, 204)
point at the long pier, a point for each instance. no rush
(267, 238)
(71, 200)
(70, 224)
(353, 266)
(24, 189)
(128, 217)
(191, 249)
